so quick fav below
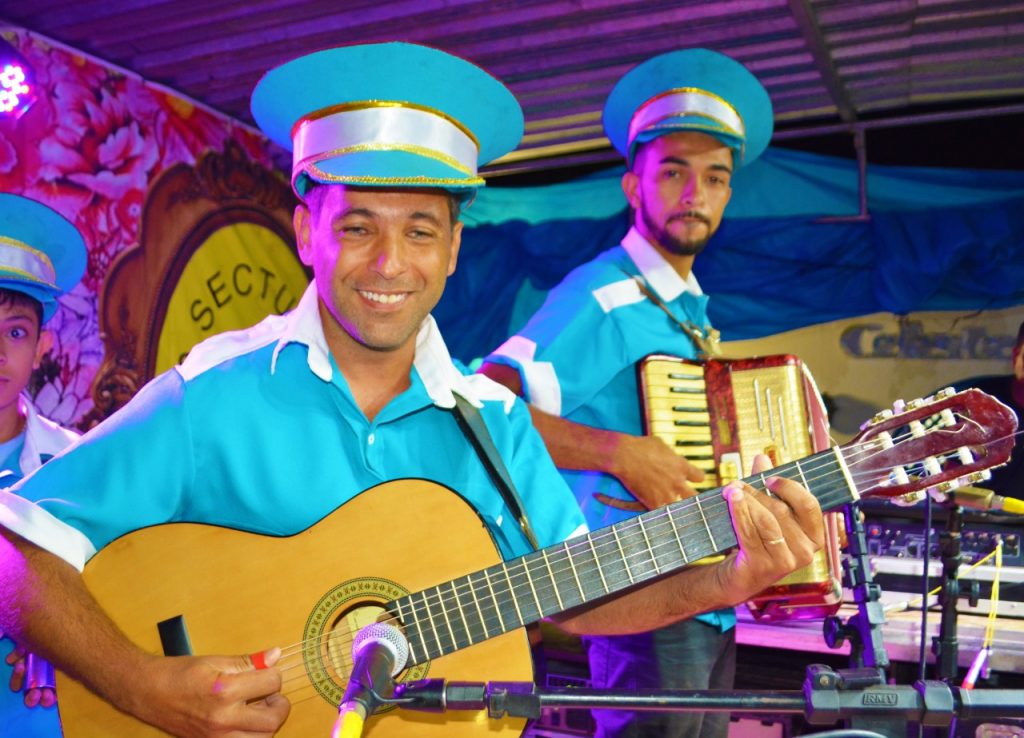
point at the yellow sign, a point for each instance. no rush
(239, 275)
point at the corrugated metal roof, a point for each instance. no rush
(823, 61)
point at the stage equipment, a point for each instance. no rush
(18, 89)
(827, 697)
(897, 538)
(720, 414)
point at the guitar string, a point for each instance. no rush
(494, 593)
(652, 555)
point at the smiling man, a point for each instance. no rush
(273, 428)
(685, 121)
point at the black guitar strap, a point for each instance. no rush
(472, 424)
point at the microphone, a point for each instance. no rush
(978, 498)
(379, 653)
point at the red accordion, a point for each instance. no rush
(719, 414)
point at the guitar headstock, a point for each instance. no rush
(945, 442)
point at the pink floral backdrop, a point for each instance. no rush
(89, 148)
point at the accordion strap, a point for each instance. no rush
(472, 424)
(705, 339)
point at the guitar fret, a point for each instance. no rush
(447, 621)
(533, 590)
(625, 559)
(494, 599)
(476, 603)
(461, 623)
(512, 594)
(704, 518)
(572, 568)
(430, 619)
(675, 532)
(846, 473)
(647, 540)
(803, 479)
(554, 584)
(597, 563)
(408, 631)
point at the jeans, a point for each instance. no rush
(687, 655)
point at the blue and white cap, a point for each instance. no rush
(387, 115)
(41, 254)
(690, 90)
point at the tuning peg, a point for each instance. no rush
(931, 466)
(898, 475)
(945, 392)
(916, 428)
(879, 417)
(911, 498)
(884, 441)
(965, 456)
(914, 404)
(946, 418)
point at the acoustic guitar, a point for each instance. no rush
(191, 588)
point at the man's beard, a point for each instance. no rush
(674, 245)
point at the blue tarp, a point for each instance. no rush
(937, 239)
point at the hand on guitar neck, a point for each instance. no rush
(776, 535)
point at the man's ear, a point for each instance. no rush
(453, 258)
(630, 184)
(301, 222)
(43, 346)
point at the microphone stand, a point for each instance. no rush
(864, 629)
(827, 697)
(945, 646)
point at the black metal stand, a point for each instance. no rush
(945, 646)
(863, 630)
(827, 697)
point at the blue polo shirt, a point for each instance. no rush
(577, 356)
(257, 430)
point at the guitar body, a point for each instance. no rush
(239, 593)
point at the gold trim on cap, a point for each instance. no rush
(686, 90)
(370, 104)
(406, 148)
(690, 101)
(6, 268)
(31, 252)
(322, 176)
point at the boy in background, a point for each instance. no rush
(41, 257)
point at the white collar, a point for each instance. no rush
(432, 361)
(656, 270)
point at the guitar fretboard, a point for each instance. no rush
(487, 603)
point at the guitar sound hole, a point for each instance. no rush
(348, 622)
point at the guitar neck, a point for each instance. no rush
(487, 603)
